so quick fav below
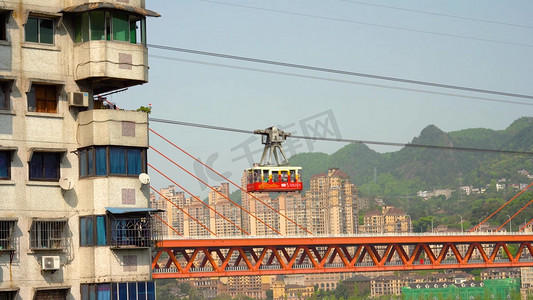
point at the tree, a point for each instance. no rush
(269, 294)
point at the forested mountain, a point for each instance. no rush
(411, 169)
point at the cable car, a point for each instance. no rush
(272, 175)
(274, 179)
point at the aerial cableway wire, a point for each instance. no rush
(408, 145)
(230, 181)
(373, 24)
(341, 72)
(340, 80)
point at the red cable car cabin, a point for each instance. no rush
(274, 179)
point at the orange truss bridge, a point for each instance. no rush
(271, 256)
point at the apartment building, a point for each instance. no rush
(331, 203)
(74, 216)
(386, 220)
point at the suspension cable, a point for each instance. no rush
(186, 213)
(174, 229)
(230, 181)
(512, 217)
(213, 189)
(522, 191)
(526, 225)
(197, 199)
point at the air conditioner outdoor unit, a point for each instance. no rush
(50, 263)
(79, 99)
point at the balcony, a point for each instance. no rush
(110, 65)
(113, 127)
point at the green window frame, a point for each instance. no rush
(102, 25)
(39, 30)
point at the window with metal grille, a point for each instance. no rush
(130, 230)
(7, 240)
(8, 295)
(48, 234)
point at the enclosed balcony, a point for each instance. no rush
(112, 127)
(110, 45)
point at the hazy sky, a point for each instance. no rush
(475, 44)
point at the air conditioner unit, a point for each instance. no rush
(50, 263)
(79, 99)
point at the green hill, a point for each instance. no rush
(411, 169)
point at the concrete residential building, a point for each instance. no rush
(74, 216)
(331, 203)
(388, 219)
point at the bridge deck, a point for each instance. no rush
(314, 254)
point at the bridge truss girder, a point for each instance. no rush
(273, 256)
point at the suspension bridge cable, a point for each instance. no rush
(214, 190)
(186, 213)
(338, 80)
(197, 199)
(501, 207)
(174, 229)
(528, 223)
(371, 24)
(341, 72)
(230, 181)
(326, 139)
(512, 217)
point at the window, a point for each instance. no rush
(5, 165)
(39, 30)
(51, 293)
(3, 22)
(7, 242)
(46, 235)
(4, 94)
(45, 166)
(9, 295)
(93, 231)
(142, 290)
(100, 25)
(42, 98)
(111, 160)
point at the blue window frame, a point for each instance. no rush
(112, 161)
(45, 166)
(5, 165)
(93, 231)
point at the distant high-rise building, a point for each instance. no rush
(218, 199)
(331, 203)
(388, 219)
